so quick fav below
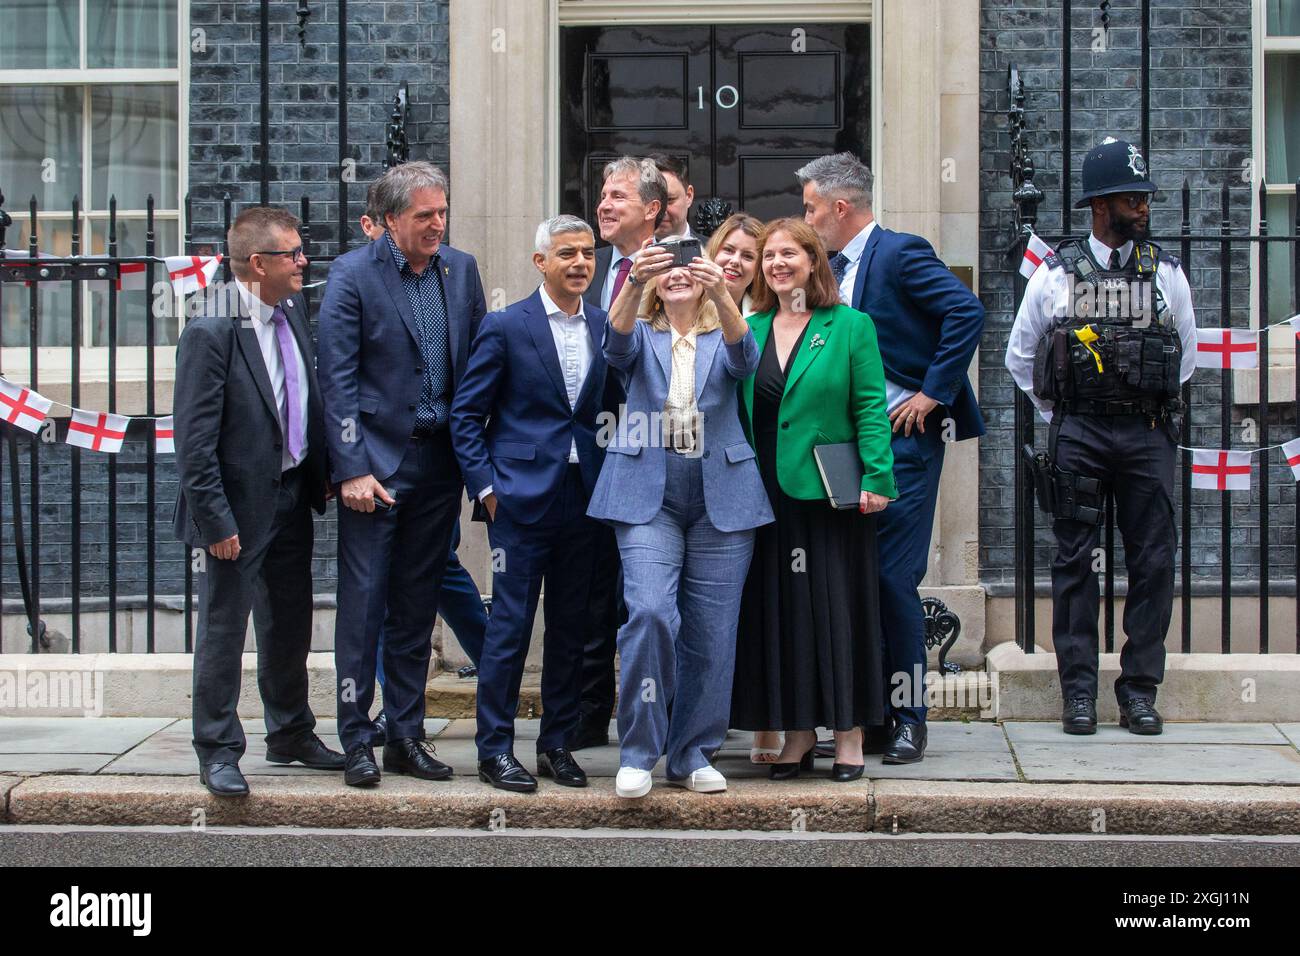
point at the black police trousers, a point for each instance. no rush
(1137, 461)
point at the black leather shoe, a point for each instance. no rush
(506, 773)
(908, 745)
(588, 735)
(361, 769)
(224, 780)
(415, 758)
(380, 735)
(309, 752)
(845, 772)
(1079, 716)
(1140, 716)
(561, 767)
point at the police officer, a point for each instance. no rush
(1103, 341)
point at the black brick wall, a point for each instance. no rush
(1201, 133)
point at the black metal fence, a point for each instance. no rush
(93, 526)
(1207, 424)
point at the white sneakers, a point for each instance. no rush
(704, 780)
(631, 782)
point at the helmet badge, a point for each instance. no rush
(1136, 162)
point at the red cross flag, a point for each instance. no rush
(1220, 470)
(164, 436)
(1295, 324)
(1035, 252)
(1227, 348)
(22, 407)
(98, 431)
(191, 273)
(1292, 451)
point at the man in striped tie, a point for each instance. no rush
(250, 452)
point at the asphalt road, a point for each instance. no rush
(22, 846)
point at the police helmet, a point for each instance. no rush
(1113, 167)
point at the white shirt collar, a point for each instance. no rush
(256, 308)
(677, 337)
(1102, 251)
(853, 251)
(553, 310)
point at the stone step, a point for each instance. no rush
(963, 696)
(812, 805)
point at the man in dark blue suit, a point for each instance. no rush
(395, 328)
(928, 325)
(524, 423)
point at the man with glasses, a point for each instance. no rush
(250, 453)
(1103, 341)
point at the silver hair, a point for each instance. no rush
(841, 176)
(393, 190)
(650, 183)
(557, 226)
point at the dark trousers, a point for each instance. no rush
(555, 551)
(391, 565)
(1137, 461)
(273, 581)
(903, 538)
(460, 605)
(605, 614)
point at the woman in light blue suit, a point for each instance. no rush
(681, 487)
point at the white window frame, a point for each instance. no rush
(54, 363)
(1281, 344)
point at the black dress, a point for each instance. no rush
(808, 647)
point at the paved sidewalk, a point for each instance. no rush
(976, 777)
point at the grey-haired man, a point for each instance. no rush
(395, 329)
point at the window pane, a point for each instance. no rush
(1281, 259)
(132, 306)
(54, 299)
(38, 34)
(1282, 117)
(40, 146)
(1283, 18)
(133, 144)
(131, 34)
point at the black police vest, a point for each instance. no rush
(1117, 351)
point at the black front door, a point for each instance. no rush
(744, 106)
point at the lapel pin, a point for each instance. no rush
(817, 341)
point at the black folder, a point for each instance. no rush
(841, 471)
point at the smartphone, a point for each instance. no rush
(683, 250)
(381, 505)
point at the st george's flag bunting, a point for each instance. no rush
(1227, 348)
(22, 407)
(1035, 253)
(1220, 470)
(98, 431)
(191, 273)
(1291, 450)
(164, 436)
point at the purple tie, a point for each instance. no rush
(288, 359)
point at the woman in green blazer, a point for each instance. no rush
(809, 650)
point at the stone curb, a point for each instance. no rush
(902, 806)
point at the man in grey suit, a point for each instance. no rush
(250, 453)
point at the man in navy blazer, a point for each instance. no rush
(395, 329)
(524, 423)
(928, 325)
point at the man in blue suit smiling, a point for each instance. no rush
(524, 425)
(395, 328)
(928, 325)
